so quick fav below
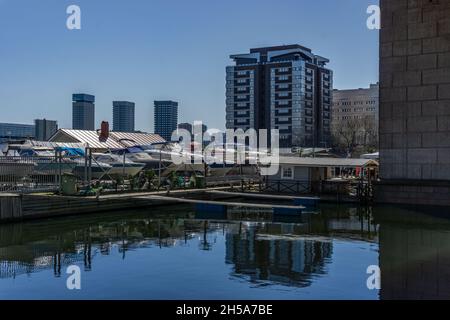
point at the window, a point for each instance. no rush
(287, 173)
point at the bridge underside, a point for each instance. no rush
(415, 102)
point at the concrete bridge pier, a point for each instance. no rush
(415, 102)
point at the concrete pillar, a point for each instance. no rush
(415, 102)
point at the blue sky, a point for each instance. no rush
(145, 50)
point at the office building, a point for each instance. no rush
(45, 129)
(189, 127)
(83, 112)
(286, 88)
(15, 131)
(356, 104)
(123, 116)
(166, 118)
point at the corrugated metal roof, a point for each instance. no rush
(91, 138)
(116, 140)
(326, 162)
(130, 139)
(50, 144)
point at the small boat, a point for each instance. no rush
(138, 155)
(98, 169)
(121, 166)
(46, 161)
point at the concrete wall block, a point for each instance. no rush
(437, 76)
(400, 48)
(386, 79)
(422, 62)
(414, 109)
(393, 171)
(444, 27)
(443, 123)
(385, 112)
(427, 171)
(399, 110)
(436, 45)
(415, 15)
(419, 3)
(444, 156)
(399, 140)
(444, 91)
(393, 64)
(386, 141)
(393, 94)
(422, 93)
(422, 124)
(441, 172)
(436, 140)
(414, 140)
(438, 108)
(414, 171)
(409, 78)
(422, 30)
(394, 156)
(393, 126)
(386, 50)
(422, 156)
(444, 60)
(414, 47)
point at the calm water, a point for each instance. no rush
(178, 254)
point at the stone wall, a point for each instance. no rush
(414, 93)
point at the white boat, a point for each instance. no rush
(138, 155)
(120, 166)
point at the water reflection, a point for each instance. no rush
(414, 253)
(330, 248)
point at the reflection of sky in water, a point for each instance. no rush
(323, 255)
(177, 259)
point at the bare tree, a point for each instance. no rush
(355, 132)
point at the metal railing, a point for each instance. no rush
(26, 174)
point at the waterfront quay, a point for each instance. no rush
(17, 207)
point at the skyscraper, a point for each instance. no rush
(123, 116)
(83, 112)
(286, 88)
(44, 129)
(166, 118)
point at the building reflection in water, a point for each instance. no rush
(258, 252)
(285, 251)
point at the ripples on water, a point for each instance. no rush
(178, 254)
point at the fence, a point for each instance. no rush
(44, 174)
(286, 186)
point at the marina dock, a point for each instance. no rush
(17, 207)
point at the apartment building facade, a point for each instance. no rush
(123, 116)
(166, 118)
(286, 88)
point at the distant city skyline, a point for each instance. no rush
(130, 53)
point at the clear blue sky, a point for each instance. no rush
(145, 50)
